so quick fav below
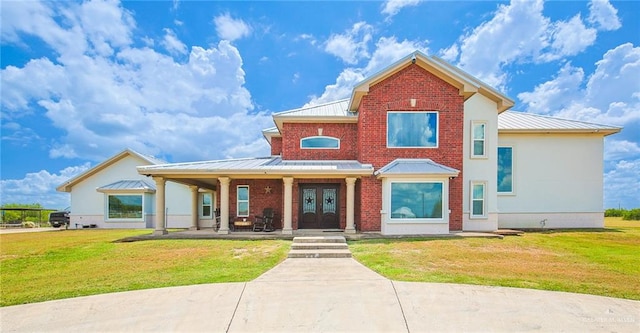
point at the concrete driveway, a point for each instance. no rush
(327, 295)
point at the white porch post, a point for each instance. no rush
(224, 205)
(351, 185)
(287, 228)
(160, 204)
(194, 207)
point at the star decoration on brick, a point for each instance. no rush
(267, 189)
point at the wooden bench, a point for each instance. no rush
(242, 224)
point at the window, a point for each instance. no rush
(505, 169)
(320, 142)
(205, 205)
(412, 129)
(121, 206)
(416, 200)
(478, 139)
(477, 199)
(242, 204)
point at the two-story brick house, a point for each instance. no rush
(419, 148)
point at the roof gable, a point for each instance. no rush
(66, 187)
(466, 84)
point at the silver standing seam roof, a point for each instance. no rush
(408, 167)
(331, 109)
(264, 165)
(128, 185)
(514, 121)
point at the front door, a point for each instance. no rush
(319, 206)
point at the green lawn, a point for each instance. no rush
(42, 266)
(36, 267)
(594, 262)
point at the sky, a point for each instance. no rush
(199, 80)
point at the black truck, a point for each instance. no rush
(59, 218)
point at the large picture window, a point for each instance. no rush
(242, 203)
(124, 207)
(412, 129)
(416, 200)
(505, 169)
(319, 142)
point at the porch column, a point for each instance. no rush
(224, 205)
(287, 228)
(194, 207)
(351, 185)
(160, 201)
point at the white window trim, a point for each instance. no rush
(201, 206)
(484, 141)
(248, 201)
(445, 202)
(106, 208)
(320, 137)
(484, 200)
(513, 170)
(416, 147)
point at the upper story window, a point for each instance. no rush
(412, 129)
(505, 170)
(478, 142)
(320, 142)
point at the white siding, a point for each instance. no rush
(480, 108)
(88, 205)
(558, 178)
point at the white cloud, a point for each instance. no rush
(554, 95)
(393, 7)
(229, 28)
(620, 184)
(388, 50)
(350, 46)
(137, 97)
(172, 43)
(518, 33)
(603, 15)
(39, 187)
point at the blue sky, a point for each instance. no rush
(194, 80)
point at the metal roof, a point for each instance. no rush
(128, 186)
(407, 167)
(266, 165)
(332, 109)
(514, 121)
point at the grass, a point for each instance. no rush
(42, 266)
(603, 262)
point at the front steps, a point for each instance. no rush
(319, 247)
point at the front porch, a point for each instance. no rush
(209, 233)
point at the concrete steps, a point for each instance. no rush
(319, 247)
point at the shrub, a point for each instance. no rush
(614, 212)
(631, 215)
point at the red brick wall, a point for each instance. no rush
(276, 146)
(394, 94)
(293, 132)
(258, 198)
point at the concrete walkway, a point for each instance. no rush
(327, 295)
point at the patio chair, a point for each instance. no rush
(264, 222)
(216, 213)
